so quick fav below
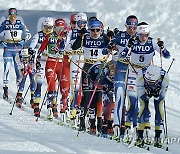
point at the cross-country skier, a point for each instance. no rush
(77, 22)
(57, 66)
(13, 30)
(151, 82)
(119, 43)
(26, 68)
(141, 50)
(47, 28)
(106, 85)
(93, 44)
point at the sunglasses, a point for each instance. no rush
(73, 22)
(59, 28)
(48, 27)
(143, 35)
(81, 22)
(95, 30)
(132, 27)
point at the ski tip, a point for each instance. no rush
(10, 113)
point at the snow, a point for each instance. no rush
(19, 133)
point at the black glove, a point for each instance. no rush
(160, 44)
(131, 42)
(111, 45)
(38, 65)
(31, 52)
(83, 31)
(116, 30)
(110, 33)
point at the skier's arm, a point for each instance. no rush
(2, 27)
(165, 53)
(44, 43)
(164, 88)
(67, 44)
(77, 44)
(26, 32)
(34, 41)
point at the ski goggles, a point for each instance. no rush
(48, 27)
(143, 35)
(95, 30)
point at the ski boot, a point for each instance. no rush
(99, 124)
(82, 124)
(122, 131)
(73, 114)
(157, 140)
(50, 112)
(116, 135)
(92, 126)
(32, 101)
(55, 111)
(19, 100)
(127, 139)
(63, 106)
(140, 141)
(5, 94)
(104, 129)
(146, 132)
(36, 110)
(110, 128)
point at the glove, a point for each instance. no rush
(38, 65)
(21, 42)
(124, 53)
(111, 45)
(116, 30)
(160, 44)
(3, 44)
(110, 34)
(131, 42)
(83, 31)
(59, 54)
(30, 51)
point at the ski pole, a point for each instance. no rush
(165, 125)
(16, 97)
(160, 52)
(171, 65)
(26, 94)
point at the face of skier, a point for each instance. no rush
(95, 32)
(58, 29)
(81, 23)
(143, 37)
(131, 29)
(12, 18)
(73, 24)
(48, 29)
